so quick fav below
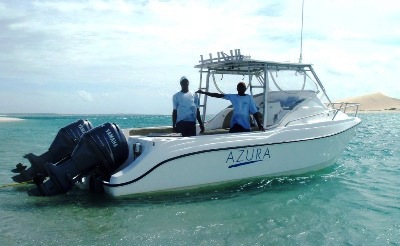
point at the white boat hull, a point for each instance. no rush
(305, 132)
(179, 163)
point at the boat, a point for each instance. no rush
(304, 132)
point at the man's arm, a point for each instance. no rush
(174, 115)
(198, 116)
(217, 95)
(256, 117)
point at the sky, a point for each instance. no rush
(105, 57)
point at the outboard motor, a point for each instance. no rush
(62, 146)
(102, 149)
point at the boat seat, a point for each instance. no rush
(215, 131)
(149, 130)
(162, 134)
(227, 120)
(274, 108)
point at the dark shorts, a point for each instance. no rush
(186, 128)
(238, 128)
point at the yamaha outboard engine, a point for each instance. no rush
(62, 146)
(102, 149)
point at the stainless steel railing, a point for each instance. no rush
(335, 107)
(343, 106)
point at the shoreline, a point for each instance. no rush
(5, 119)
(9, 119)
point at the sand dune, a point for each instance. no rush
(374, 102)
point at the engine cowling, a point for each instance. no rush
(62, 146)
(102, 150)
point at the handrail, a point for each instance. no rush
(221, 56)
(345, 105)
(309, 116)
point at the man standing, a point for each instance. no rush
(243, 106)
(186, 110)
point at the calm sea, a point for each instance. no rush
(354, 202)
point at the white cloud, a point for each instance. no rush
(86, 96)
(135, 51)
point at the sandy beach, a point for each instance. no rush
(9, 119)
(375, 102)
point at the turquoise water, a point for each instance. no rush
(354, 202)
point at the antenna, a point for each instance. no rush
(301, 35)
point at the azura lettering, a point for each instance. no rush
(247, 156)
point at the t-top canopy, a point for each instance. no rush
(240, 64)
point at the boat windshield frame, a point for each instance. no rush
(238, 64)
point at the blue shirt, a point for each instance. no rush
(243, 106)
(186, 105)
